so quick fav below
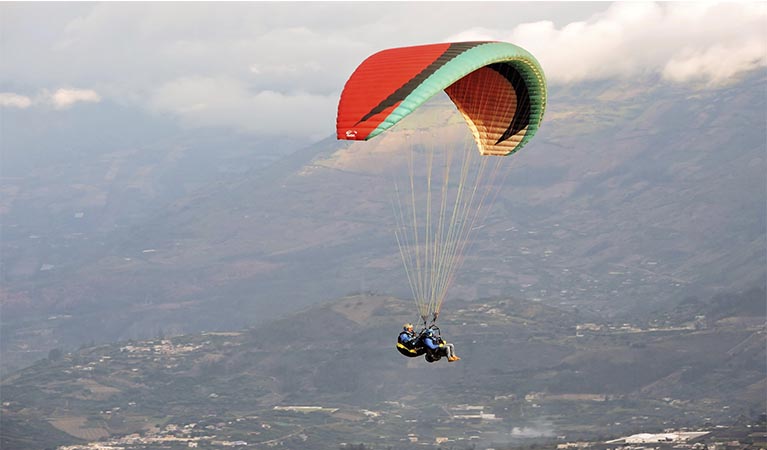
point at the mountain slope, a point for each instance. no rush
(632, 195)
(526, 364)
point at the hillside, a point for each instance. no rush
(537, 373)
(632, 196)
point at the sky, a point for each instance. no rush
(277, 68)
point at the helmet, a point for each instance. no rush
(408, 327)
(429, 332)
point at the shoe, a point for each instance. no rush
(453, 358)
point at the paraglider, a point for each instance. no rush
(500, 91)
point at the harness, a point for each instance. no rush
(416, 347)
(411, 352)
(411, 348)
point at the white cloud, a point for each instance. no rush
(60, 99)
(271, 66)
(716, 64)
(281, 54)
(228, 102)
(683, 42)
(11, 100)
(65, 98)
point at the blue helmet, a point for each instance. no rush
(429, 332)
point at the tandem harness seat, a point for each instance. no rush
(411, 345)
(411, 352)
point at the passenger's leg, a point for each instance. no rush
(451, 353)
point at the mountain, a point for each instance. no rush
(329, 375)
(632, 196)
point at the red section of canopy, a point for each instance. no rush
(374, 82)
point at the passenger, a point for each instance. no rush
(436, 347)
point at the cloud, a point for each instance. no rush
(716, 64)
(11, 100)
(683, 42)
(229, 102)
(60, 99)
(65, 98)
(264, 67)
(275, 55)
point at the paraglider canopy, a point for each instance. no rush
(499, 89)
